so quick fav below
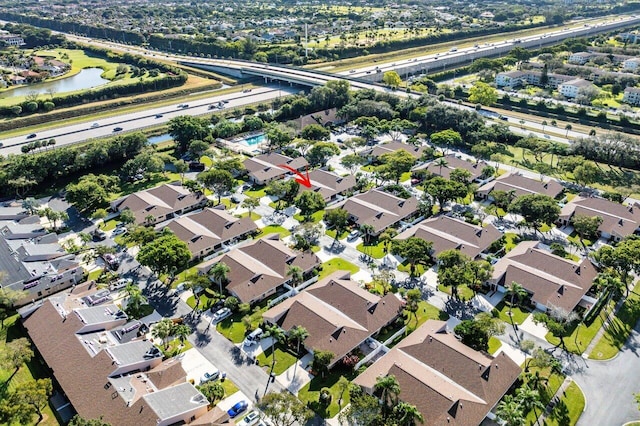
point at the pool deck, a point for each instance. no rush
(238, 146)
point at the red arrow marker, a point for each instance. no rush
(300, 178)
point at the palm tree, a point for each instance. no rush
(278, 336)
(297, 334)
(529, 399)
(367, 230)
(135, 299)
(220, 273)
(535, 381)
(567, 128)
(516, 291)
(441, 162)
(510, 411)
(407, 415)
(544, 123)
(389, 390)
(181, 332)
(163, 330)
(295, 272)
(149, 219)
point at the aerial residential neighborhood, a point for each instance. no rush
(319, 213)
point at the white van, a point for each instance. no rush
(253, 338)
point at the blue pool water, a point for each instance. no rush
(254, 140)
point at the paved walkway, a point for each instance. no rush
(554, 401)
(605, 325)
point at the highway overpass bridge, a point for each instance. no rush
(367, 77)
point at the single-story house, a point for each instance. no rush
(378, 209)
(208, 230)
(618, 221)
(329, 185)
(164, 202)
(123, 384)
(258, 269)
(338, 314)
(448, 233)
(520, 186)
(448, 382)
(264, 168)
(550, 280)
(452, 163)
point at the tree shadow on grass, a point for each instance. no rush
(560, 413)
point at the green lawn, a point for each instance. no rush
(94, 275)
(284, 359)
(618, 331)
(109, 225)
(426, 311)
(405, 267)
(464, 292)
(511, 242)
(254, 216)
(234, 329)
(310, 393)
(518, 315)
(494, 344)
(552, 385)
(185, 275)
(337, 264)
(229, 387)
(581, 334)
(576, 240)
(569, 409)
(375, 251)
(274, 229)
(176, 348)
(34, 369)
(256, 192)
(315, 218)
(332, 234)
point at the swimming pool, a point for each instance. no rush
(254, 140)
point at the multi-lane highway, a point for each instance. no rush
(134, 121)
(441, 60)
(138, 120)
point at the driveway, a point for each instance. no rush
(228, 358)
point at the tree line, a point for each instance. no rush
(20, 173)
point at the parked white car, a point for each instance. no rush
(120, 283)
(250, 419)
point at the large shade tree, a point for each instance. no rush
(414, 250)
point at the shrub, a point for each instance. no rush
(350, 361)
